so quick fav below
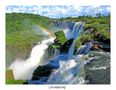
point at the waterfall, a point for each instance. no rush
(77, 29)
(23, 69)
(67, 65)
(71, 71)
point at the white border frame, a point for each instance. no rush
(4, 3)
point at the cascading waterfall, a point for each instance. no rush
(77, 29)
(69, 71)
(23, 69)
(67, 65)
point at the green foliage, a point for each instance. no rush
(22, 21)
(78, 44)
(20, 35)
(15, 81)
(10, 78)
(96, 28)
(60, 36)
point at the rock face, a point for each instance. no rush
(98, 76)
(98, 69)
(42, 71)
(63, 24)
(100, 41)
(97, 46)
(65, 47)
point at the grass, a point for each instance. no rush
(15, 81)
(10, 78)
(60, 36)
(9, 74)
(21, 36)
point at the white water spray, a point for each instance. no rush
(23, 69)
(71, 71)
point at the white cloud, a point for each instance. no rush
(60, 11)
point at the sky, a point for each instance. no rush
(59, 11)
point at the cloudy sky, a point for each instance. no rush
(60, 11)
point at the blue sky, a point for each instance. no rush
(60, 10)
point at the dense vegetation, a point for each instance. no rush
(21, 34)
(96, 28)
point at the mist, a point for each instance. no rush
(23, 69)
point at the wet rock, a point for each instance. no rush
(99, 76)
(97, 46)
(84, 49)
(65, 47)
(97, 70)
(42, 71)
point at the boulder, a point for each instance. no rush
(42, 71)
(97, 45)
(65, 47)
(97, 70)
